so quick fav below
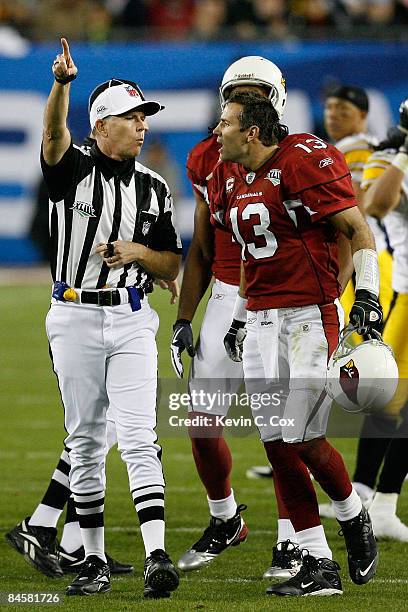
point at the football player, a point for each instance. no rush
(285, 204)
(384, 439)
(213, 253)
(345, 119)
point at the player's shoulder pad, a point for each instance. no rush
(383, 157)
(305, 148)
(309, 161)
(355, 142)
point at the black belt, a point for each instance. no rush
(105, 298)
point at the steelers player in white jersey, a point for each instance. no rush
(385, 180)
(345, 121)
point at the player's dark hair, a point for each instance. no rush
(257, 110)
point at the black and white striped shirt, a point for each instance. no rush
(94, 199)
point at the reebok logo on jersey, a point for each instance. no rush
(325, 162)
(274, 176)
(84, 209)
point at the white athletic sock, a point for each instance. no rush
(94, 542)
(45, 516)
(71, 537)
(286, 531)
(153, 535)
(384, 503)
(223, 508)
(314, 541)
(349, 507)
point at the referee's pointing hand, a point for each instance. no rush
(63, 66)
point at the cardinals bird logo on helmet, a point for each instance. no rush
(362, 378)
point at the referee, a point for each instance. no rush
(112, 230)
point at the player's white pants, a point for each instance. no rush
(286, 353)
(211, 369)
(107, 356)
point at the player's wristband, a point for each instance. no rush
(367, 272)
(67, 79)
(240, 312)
(400, 161)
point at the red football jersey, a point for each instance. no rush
(200, 163)
(278, 215)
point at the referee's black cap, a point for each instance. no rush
(355, 95)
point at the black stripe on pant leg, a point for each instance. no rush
(143, 498)
(91, 521)
(71, 516)
(56, 496)
(154, 513)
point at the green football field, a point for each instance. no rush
(31, 441)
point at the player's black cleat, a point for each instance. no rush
(71, 563)
(94, 577)
(160, 575)
(315, 577)
(362, 550)
(38, 545)
(286, 560)
(218, 536)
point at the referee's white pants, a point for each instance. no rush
(107, 356)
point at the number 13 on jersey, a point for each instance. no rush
(259, 230)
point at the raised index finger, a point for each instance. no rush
(65, 50)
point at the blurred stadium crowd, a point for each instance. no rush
(102, 20)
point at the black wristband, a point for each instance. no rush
(182, 322)
(67, 79)
(237, 324)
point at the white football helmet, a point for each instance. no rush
(362, 378)
(255, 70)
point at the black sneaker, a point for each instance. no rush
(315, 577)
(94, 577)
(38, 545)
(218, 536)
(286, 560)
(71, 563)
(362, 550)
(160, 575)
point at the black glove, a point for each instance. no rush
(366, 313)
(396, 136)
(404, 147)
(234, 339)
(403, 113)
(182, 340)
